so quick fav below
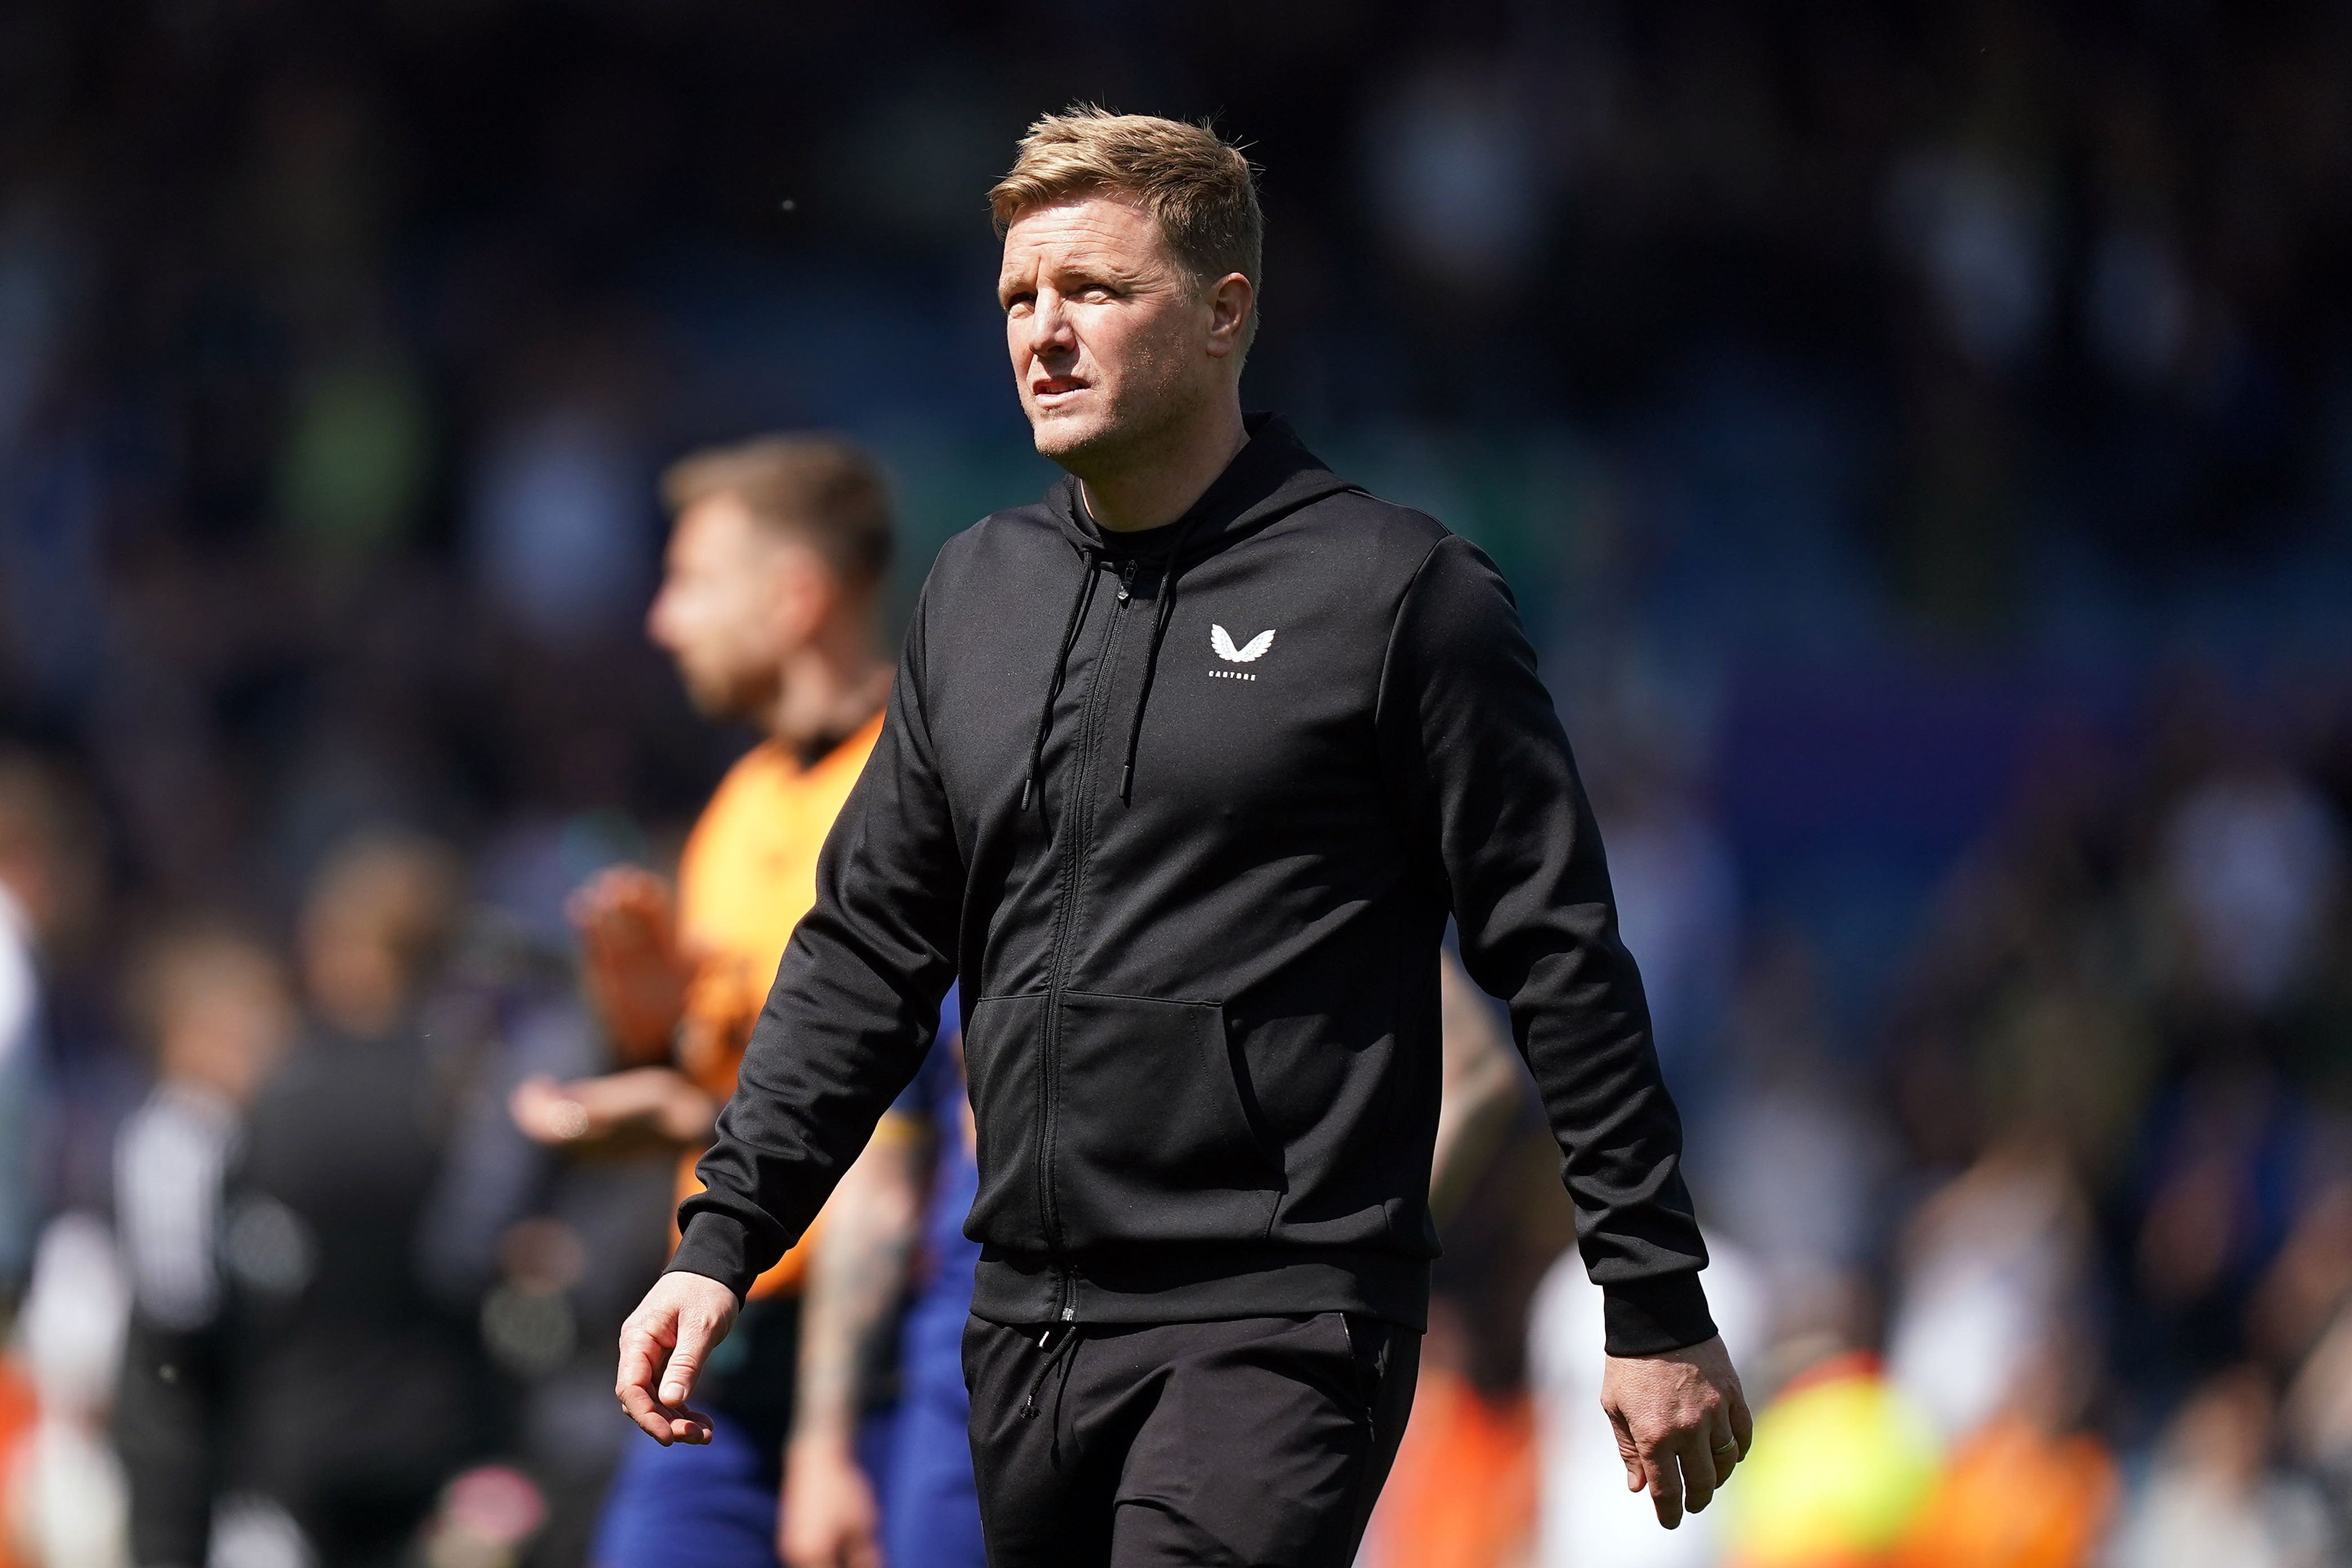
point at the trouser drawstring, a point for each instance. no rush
(1063, 1355)
(1058, 1355)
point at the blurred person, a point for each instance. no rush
(1464, 1492)
(868, 1256)
(2028, 1488)
(216, 1010)
(1843, 1467)
(62, 1497)
(1201, 1001)
(216, 1006)
(328, 1395)
(769, 605)
(1794, 1156)
(2216, 1494)
(1584, 1519)
(1989, 1278)
(48, 887)
(2253, 867)
(557, 531)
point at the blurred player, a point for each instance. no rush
(768, 606)
(869, 1253)
(289, 1373)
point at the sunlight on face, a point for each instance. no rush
(1111, 337)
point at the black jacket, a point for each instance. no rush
(1190, 833)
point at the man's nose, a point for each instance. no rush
(1049, 326)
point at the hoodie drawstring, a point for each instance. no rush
(1151, 657)
(1030, 784)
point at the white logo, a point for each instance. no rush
(1249, 653)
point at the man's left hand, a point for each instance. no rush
(1682, 1424)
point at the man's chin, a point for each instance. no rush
(722, 704)
(1072, 441)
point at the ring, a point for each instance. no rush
(1731, 1448)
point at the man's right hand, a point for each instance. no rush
(829, 1518)
(664, 1346)
(636, 973)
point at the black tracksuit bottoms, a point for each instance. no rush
(1249, 1441)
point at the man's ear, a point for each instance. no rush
(804, 590)
(1231, 302)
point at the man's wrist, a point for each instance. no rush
(822, 1436)
(716, 1247)
(1653, 1317)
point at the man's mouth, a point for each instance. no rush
(1053, 391)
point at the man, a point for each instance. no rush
(1183, 771)
(768, 605)
(287, 1369)
(861, 1269)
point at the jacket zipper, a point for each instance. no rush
(1064, 1283)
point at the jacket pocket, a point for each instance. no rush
(1152, 1139)
(1001, 1052)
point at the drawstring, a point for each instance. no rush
(1029, 784)
(1058, 1357)
(1151, 658)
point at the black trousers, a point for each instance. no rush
(1247, 1442)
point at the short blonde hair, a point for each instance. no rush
(1198, 185)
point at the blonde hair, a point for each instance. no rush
(1194, 183)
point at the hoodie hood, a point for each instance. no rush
(1272, 476)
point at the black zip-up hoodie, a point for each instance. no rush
(1188, 810)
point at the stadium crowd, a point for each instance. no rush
(1923, 442)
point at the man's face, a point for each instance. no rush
(728, 612)
(1113, 340)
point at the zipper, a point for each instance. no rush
(1073, 874)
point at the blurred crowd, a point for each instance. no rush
(1921, 440)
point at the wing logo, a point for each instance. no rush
(1249, 652)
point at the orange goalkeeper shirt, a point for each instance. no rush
(746, 877)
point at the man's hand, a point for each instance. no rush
(669, 1337)
(1682, 1423)
(636, 973)
(829, 1519)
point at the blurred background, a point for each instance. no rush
(1920, 438)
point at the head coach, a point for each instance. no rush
(1183, 771)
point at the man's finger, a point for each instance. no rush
(1665, 1485)
(1743, 1425)
(1723, 1446)
(1701, 1474)
(634, 1386)
(686, 1358)
(1628, 1454)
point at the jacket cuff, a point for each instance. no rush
(1650, 1317)
(717, 1248)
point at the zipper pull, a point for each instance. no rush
(1127, 582)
